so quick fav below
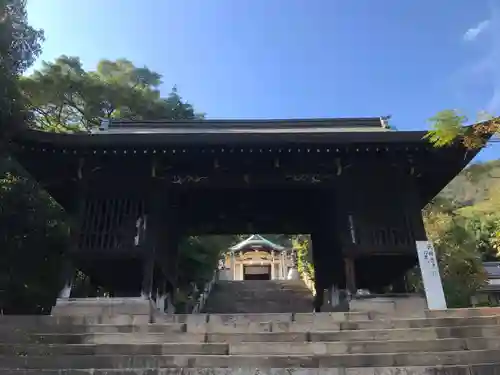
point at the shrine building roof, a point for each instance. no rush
(207, 132)
(111, 126)
(256, 240)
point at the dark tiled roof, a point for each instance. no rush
(245, 126)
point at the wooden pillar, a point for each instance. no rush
(76, 211)
(161, 247)
(171, 250)
(150, 228)
(147, 228)
(232, 263)
(67, 276)
(328, 260)
(399, 285)
(350, 272)
(329, 267)
(273, 269)
(171, 232)
(320, 283)
(234, 267)
(161, 297)
(283, 265)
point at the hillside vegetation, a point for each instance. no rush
(475, 187)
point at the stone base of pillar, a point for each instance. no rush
(335, 300)
(160, 303)
(103, 307)
(65, 292)
(293, 274)
(404, 305)
(170, 306)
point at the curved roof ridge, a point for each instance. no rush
(256, 239)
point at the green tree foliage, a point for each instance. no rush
(474, 186)
(476, 194)
(19, 46)
(459, 258)
(28, 235)
(33, 237)
(198, 259)
(485, 229)
(62, 96)
(464, 223)
(449, 126)
(199, 256)
(302, 244)
(65, 97)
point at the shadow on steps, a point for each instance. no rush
(259, 296)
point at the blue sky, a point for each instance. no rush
(296, 58)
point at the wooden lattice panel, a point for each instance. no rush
(110, 224)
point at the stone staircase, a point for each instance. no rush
(452, 342)
(259, 296)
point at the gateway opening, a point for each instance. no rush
(257, 273)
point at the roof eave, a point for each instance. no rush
(161, 139)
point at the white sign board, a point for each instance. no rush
(430, 276)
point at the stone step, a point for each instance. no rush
(363, 335)
(364, 347)
(264, 300)
(177, 322)
(99, 306)
(46, 320)
(269, 317)
(120, 319)
(104, 338)
(115, 349)
(238, 326)
(276, 291)
(268, 288)
(281, 337)
(259, 283)
(259, 297)
(365, 343)
(240, 289)
(307, 322)
(96, 328)
(314, 326)
(215, 325)
(262, 297)
(464, 313)
(275, 308)
(483, 369)
(253, 361)
(282, 293)
(302, 318)
(255, 348)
